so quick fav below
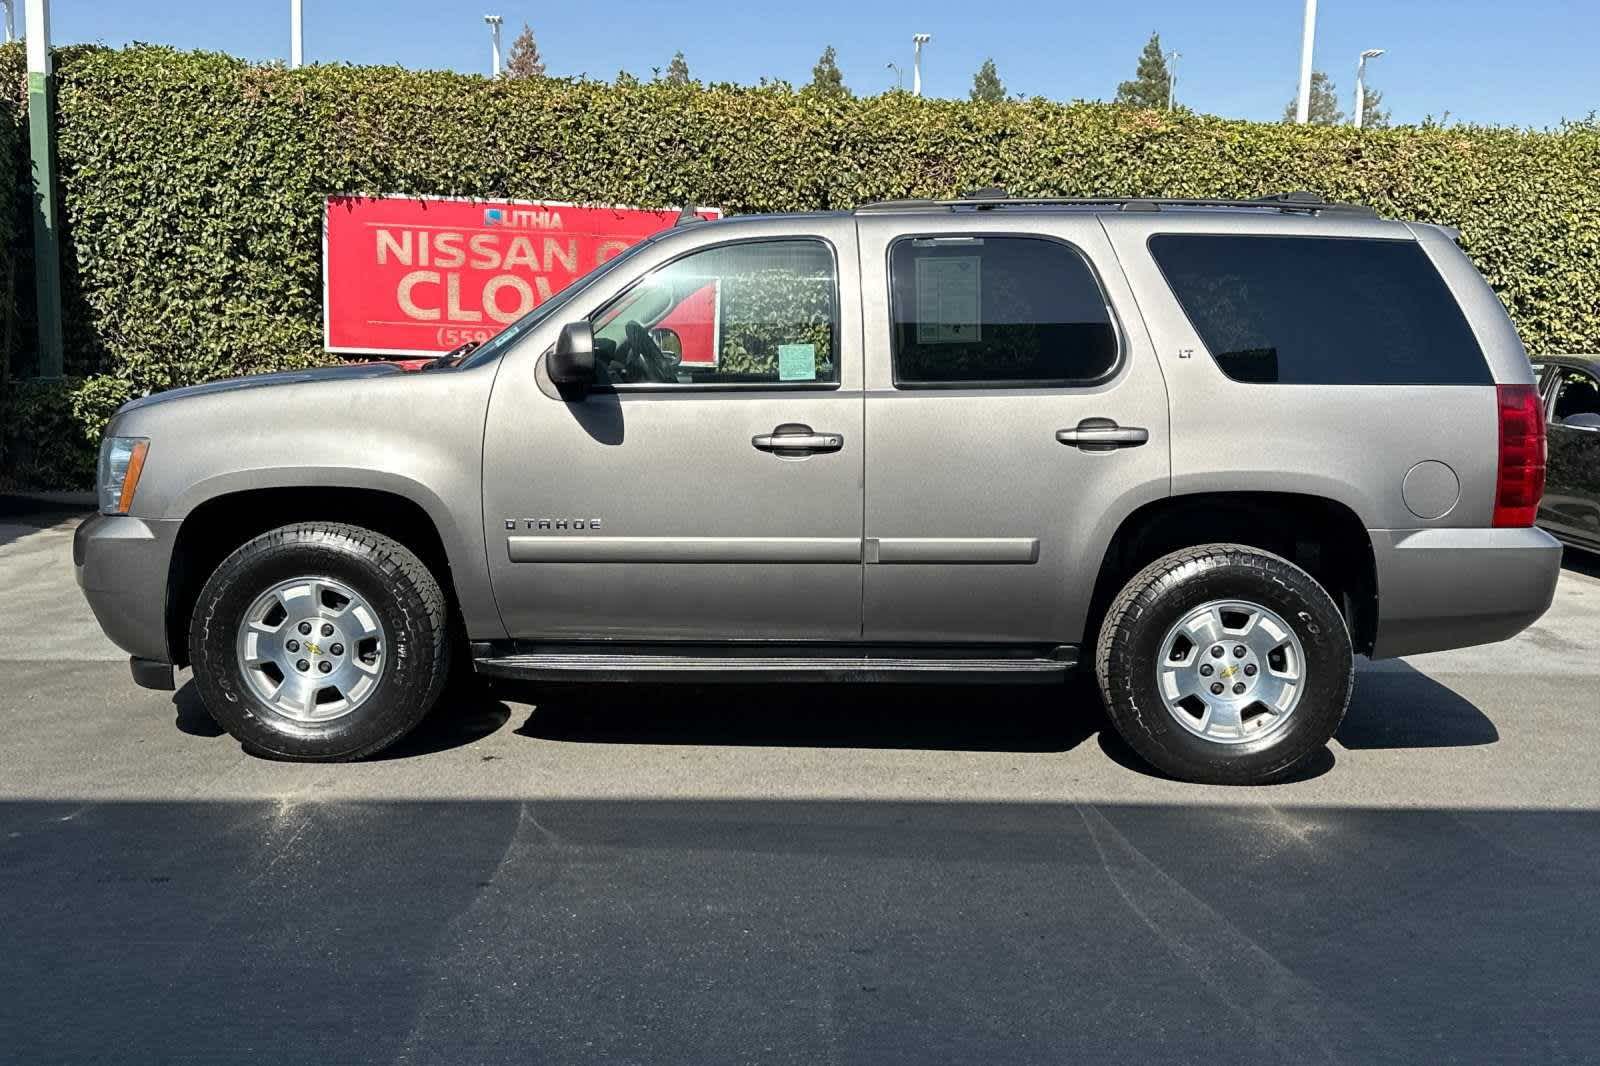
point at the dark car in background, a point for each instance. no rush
(1569, 386)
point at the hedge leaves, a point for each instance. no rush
(193, 187)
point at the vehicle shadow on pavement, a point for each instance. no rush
(1019, 718)
(1393, 706)
(458, 720)
(192, 717)
(21, 517)
(1397, 706)
(1117, 750)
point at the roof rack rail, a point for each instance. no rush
(991, 199)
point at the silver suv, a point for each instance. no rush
(1209, 449)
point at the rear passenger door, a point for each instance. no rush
(1014, 414)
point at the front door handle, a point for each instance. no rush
(1102, 435)
(793, 439)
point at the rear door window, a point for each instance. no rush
(1001, 311)
(1321, 310)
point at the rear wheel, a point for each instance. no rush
(1224, 664)
(320, 641)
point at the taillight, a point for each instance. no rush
(1521, 480)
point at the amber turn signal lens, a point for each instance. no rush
(130, 481)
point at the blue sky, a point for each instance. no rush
(1530, 63)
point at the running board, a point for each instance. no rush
(756, 664)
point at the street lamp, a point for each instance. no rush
(296, 37)
(1308, 40)
(917, 41)
(1361, 84)
(1172, 76)
(494, 22)
(899, 80)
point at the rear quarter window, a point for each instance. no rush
(1321, 310)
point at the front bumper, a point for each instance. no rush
(122, 564)
(1452, 588)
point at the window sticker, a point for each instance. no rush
(797, 362)
(949, 291)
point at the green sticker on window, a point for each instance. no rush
(797, 362)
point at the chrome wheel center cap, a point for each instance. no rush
(1231, 671)
(312, 649)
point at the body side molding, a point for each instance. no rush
(684, 549)
(953, 550)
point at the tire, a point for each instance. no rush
(389, 676)
(1142, 663)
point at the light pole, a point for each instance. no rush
(494, 22)
(1361, 84)
(296, 36)
(47, 205)
(917, 41)
(1172, 77)
(899, 79)
(1308, 40)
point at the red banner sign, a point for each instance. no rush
(409, 276)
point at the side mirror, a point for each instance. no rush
(571, 365)
(670, 343)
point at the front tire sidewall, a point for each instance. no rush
(1295, 597)
(404, 682)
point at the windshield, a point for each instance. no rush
(492, 348)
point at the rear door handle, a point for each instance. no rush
(795, 439)
(1102, 435)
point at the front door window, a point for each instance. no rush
(755, 313)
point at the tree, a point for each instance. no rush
(1374, 116)
(525, 61)
(678, 70)
(987, 88)
(826, 80)
(1325, 109)
(1151, 82)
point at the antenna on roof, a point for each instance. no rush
(687, 217)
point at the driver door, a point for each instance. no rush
(677, 500)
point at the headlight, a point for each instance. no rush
(121, 463)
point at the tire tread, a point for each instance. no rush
(1116, 673)
(397, 563)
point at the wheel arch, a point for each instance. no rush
(215, 526)
(1323, 536)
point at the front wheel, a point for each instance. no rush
(1224, 664)
(320, 641)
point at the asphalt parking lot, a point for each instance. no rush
(807, 874)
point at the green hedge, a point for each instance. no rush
(193, 187)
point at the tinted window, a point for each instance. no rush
(1578, 402)
(756, 313)
(1321, 310)
(997, 310)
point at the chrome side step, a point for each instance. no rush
(703, 665)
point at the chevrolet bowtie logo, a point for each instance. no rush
(1226, 671)
(313, 649)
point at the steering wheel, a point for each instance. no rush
(642, 358)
